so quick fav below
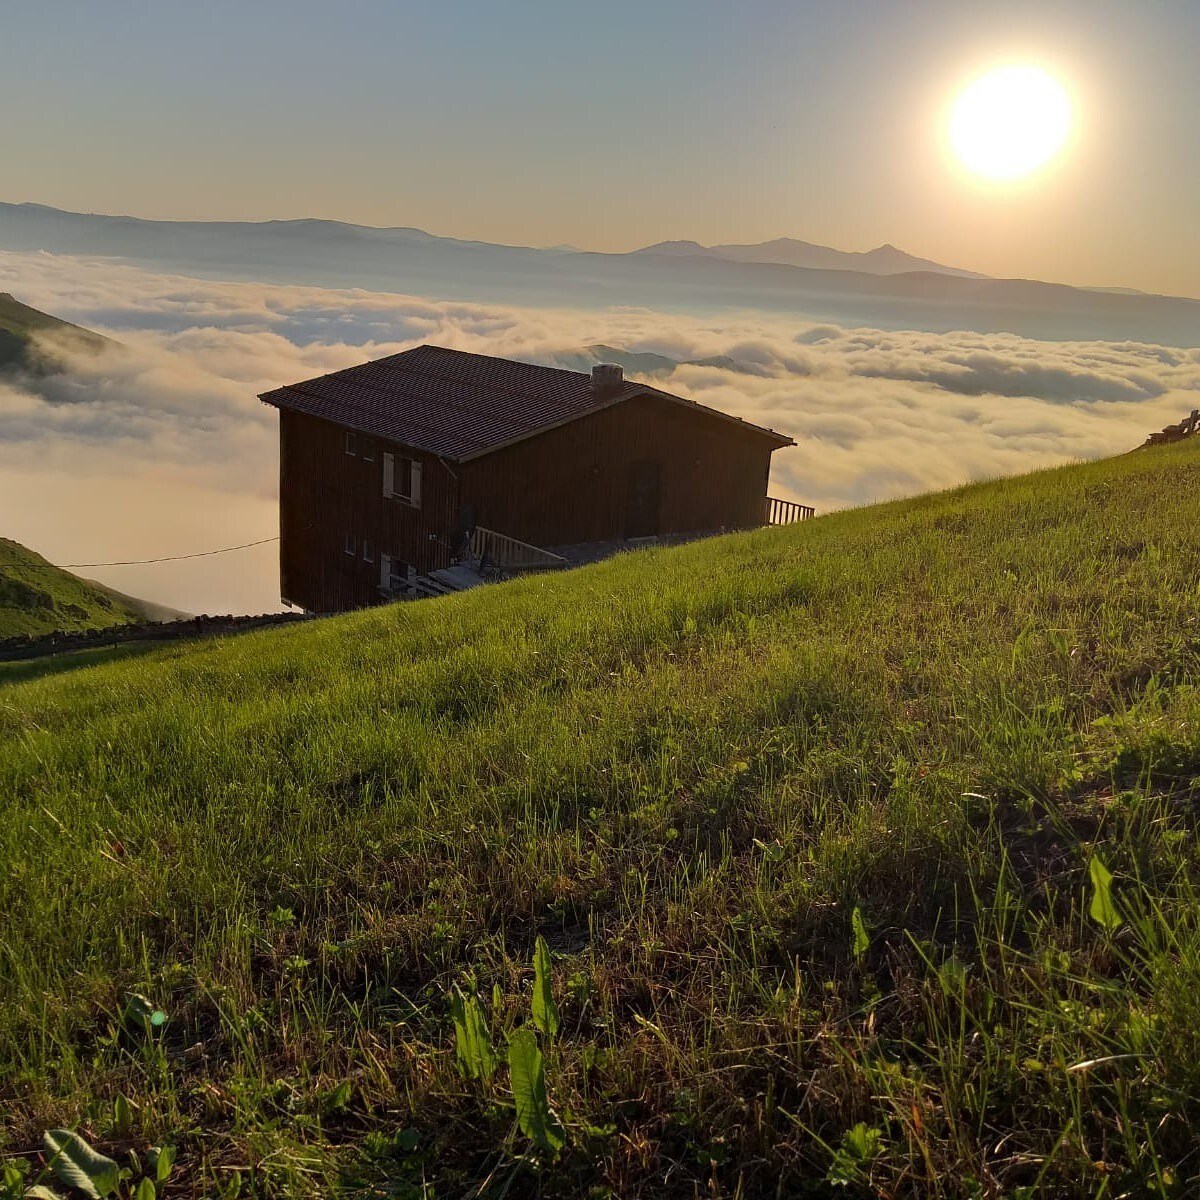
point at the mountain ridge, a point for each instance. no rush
(884, 259)
(411, 262)
(776, 250)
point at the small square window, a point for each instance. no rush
(350, 444)
(368, 553)
(402, 479)
(349, 546)
(368, 450)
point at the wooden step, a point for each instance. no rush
(457, 579)
(443, 582)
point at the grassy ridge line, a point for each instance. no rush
(21, 327)
(686, 769)
(37, 598)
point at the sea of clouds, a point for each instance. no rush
(161, 447)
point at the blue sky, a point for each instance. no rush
(613, 126)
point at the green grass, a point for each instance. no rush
(810, 820)
(22, 670)
(37, 597)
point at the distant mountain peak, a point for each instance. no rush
(678, 246)
(886, 259)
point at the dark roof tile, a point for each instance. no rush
(461, 406)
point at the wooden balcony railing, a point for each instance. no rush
(495, 551)
(785, 512)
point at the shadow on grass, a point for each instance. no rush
(57, 664)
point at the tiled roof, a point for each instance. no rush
(461, 406)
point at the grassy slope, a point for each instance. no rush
(37, 597)
(685, 769)
(21, 325)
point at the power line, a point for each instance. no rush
(142, 562)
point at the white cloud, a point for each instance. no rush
(163, 446)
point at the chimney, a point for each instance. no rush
(607, 379)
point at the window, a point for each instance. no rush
(368, 450)
(402, 479)
(368, 554)
(349, 546)
(350, 444)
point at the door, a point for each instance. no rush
(644, 498)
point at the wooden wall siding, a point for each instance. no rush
(591, 480)
(572, 484)
(326, 494)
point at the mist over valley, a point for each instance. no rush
(160, 446)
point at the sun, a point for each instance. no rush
(1009, 122)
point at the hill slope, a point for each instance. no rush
(37, 597)
(817, 823)
(21, 327)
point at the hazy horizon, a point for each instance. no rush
(463, 235)
(454, 234)
(466, 236)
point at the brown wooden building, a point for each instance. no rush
(400, 467)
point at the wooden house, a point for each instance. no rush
(401, 468)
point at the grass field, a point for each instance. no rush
(37, 597)
(864, 852)
(47, 665)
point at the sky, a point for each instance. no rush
(613, 126)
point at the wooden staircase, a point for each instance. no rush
(490, 556)
(497, 555)
(448, 580)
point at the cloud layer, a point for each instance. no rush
(163, 447)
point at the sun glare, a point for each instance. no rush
(1009, 122)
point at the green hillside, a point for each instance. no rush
(20, 328)
(864, 852)
(37, 597)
